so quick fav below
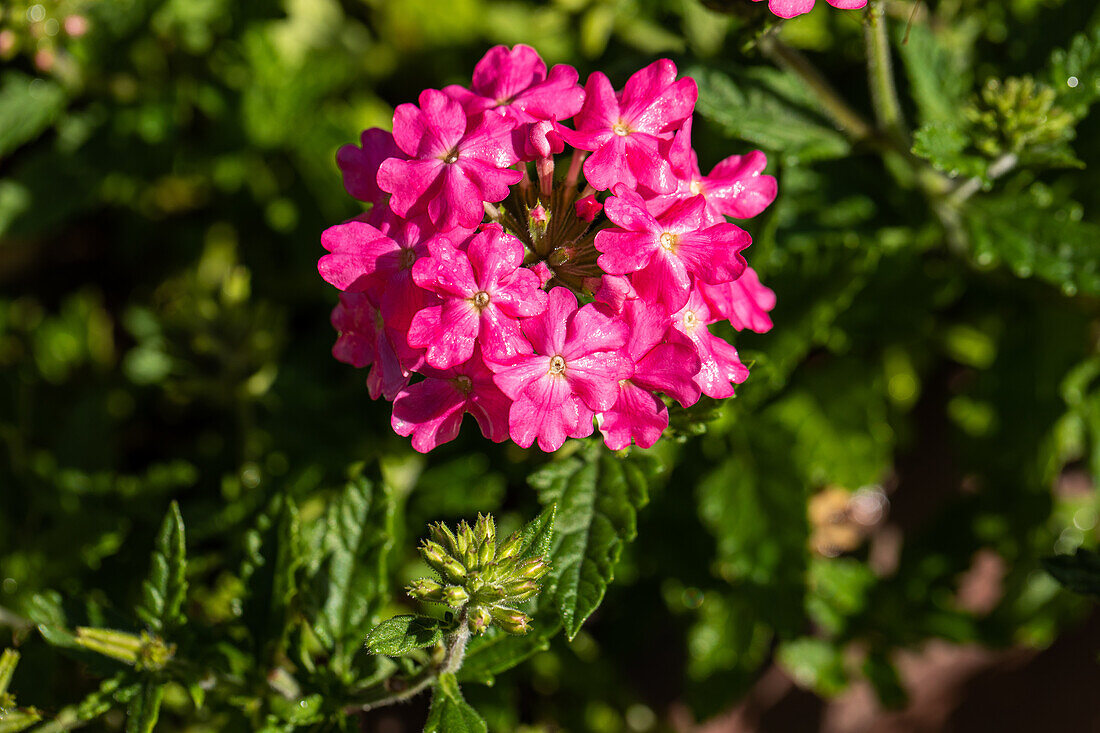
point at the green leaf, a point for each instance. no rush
(450, 713)
(399, 635)
(537, 536)
(144, 708)
(769, 108)
(1075, 73)
(943, 144)
(1036, 235)
(939, 72)
(1079, 572)
(597, 495)
(815, 663)
(358, 536)
(8, 660)
(838, 589)
(13, 721)
(495, 652)
(883, 676)
(27, 107)
(269, 572)
(164, 590)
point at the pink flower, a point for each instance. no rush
(588, 208)
(452, 169)
(432, 410)
(359, 164)
(626, 130)
(574, 372)
(791, 8)
(484, 291)
(719, 362)
(514, 81)
(664, 253)
(364, 340)
(735, 187)
(664, 361)
(745, 302)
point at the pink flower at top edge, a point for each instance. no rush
(363, 340)
(484, 291)
(745, 302)
(359, 164)
(664, 361)
(664, 253)
(574, 372)
(720, 364)
(625, 131)
(514, 81)
(452, 170)
(791, 8)
(431, 410)
(735, 187)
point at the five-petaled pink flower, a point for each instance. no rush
(573, 373)
(665, 253)
(431, 410)
(483, 293)
(626, 130)
(455, 165)
(791, 8)
(460, 284)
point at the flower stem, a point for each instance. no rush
(451, 662)
(880, 73)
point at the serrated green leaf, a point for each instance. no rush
(495, 652)
(537, 536)
(269, 572)
(838, 590)
(450, 713)
(771, 109)
(1079, 572)
(943, 144)
(144, 708)
(164, 590)
(816, 664)
(13, 721)
(1075, 73)
(27, 107)
(357, 540)
(8, 660)
(939, 75)
(597, 496)
(399, 635)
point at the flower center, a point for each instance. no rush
(621, 128)
(481, 299)
(690, 320)
(408, 257)
(557, 365)
(669, 241)
(451, 157)
(463, 384)
(696, 187)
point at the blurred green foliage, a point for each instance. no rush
(930, 392)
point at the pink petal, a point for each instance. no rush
(713, 255)
(665, 280)
(359, 163)
(670, 368)
(523, 371)
(546, 332)
(637, 416)
(431, 411)
(608, 165)
(493, 254)
(595, 377)
(790, 8)
(847, 4)
(600, 110)
(546, 412)
(736, 187)
(503, 73)
(500, 336)
(413, 183)
(645, 86)
(355, 250)
(448, 332)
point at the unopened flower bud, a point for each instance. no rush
(425, 590)
(455, 595)
(511, 620)
(588, 208)
(434, 554)
(479, 619)
(442, 534)
(532, 569)
(486, 529)
(510, 547)
(521, 590)
(485, 554)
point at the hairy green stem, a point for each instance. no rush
(997, 168)
(451, 662)
(880, 74)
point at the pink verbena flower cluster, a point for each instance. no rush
(544, 304)
(791, 8)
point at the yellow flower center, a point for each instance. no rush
(557, 365)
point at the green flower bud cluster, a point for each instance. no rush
(12, 717)
(1016, 114)
(480, 576)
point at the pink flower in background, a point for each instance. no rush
(452, 169)
(626, 130)
(359, 163)
(461, 283)
(665, 254)
(431, 410)
(483, 293)
(574, 372)
(791, 8)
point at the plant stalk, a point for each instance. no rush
(880, 74)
